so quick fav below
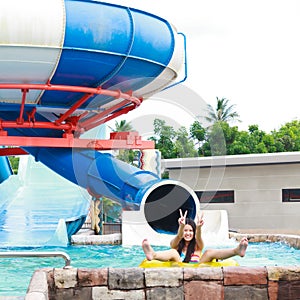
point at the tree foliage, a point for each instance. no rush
(112, 210)
(123, 125)
(183, 144)
(172, 143)
(164, 138)
(219, 138)
(124, 154)
(14, 163)
(222, 112)
(288, 136)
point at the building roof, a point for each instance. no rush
(232, 160)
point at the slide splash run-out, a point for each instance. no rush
(68, 67)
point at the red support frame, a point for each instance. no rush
(71, 125)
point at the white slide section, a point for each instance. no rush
(34, 205)
(135, 228)
(30, 47)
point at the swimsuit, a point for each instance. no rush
(195, 258)
(182, 256)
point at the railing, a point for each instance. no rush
(64, 255)
(110, 228)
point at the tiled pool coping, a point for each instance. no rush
(116, 238)
(172, 283)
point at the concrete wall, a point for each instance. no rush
(257, 181)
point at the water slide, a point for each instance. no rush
(69, 66)
(135, 228)
(37, 204)
(5, 168)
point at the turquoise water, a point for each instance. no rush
(16, 272)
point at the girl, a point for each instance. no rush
(187, 245)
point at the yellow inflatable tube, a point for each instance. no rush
(170, 264)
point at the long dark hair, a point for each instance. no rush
(192, 244)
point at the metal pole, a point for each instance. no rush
(64, 255)
(101, 215)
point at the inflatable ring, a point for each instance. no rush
(171, 264)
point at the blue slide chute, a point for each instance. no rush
(103, 174)
(5, 168)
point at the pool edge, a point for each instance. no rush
(211, 283)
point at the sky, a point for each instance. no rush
(247, 51)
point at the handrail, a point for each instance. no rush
(64, 255)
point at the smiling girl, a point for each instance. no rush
(187, 245)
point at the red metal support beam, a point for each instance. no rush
(71, 88)
(41, 125)
(12, 151)
(68, 123)
(129, 140)
(20, 120)
(72, 109)
(94, 121)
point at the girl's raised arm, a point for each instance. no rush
(198, 235)
(181, 222)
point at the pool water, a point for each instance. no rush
(17, 272)
(270, 254)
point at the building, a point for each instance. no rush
(260, 192)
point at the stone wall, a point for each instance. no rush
(166, 283)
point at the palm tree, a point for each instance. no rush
(223, 112)
(122, 126)
(127, 155)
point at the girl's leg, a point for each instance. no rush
(211, 254)
(166, 255)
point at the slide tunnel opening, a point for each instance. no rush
(162, 206)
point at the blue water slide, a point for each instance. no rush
(83, 43)
(116, 46)
(5, 173)
(91, 43)
(5, 168)
(103, 174)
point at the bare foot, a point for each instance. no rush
(242, 247)
(147, 249)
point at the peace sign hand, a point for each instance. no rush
(182, 217)
(200, 220)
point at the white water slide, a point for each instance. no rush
(35, 205)
(135, 228)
